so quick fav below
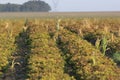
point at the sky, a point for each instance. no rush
(77, 5)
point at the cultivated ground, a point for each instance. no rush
(58, 14)
(75, 46)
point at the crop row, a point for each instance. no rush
(7, 47)
(45, 62)
(95, 30)
(9, 29)
(44, 50)
(87, 63)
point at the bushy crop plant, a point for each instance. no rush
(99, 27)
(87, 62)
(60, 50)
(45, 62)
(7, 48)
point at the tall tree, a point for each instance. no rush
(9, 7)
(35, 5)
(30, 6)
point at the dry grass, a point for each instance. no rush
(58, 14)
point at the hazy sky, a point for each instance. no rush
(78, 5)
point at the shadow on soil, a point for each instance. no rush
(18, 69)
(23, 43)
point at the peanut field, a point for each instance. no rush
(60, 48)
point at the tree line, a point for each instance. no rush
(30, 6)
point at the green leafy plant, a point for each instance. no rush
(116, 57)
(104, 45)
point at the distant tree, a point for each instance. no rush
(33, 5)
(9, 7)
